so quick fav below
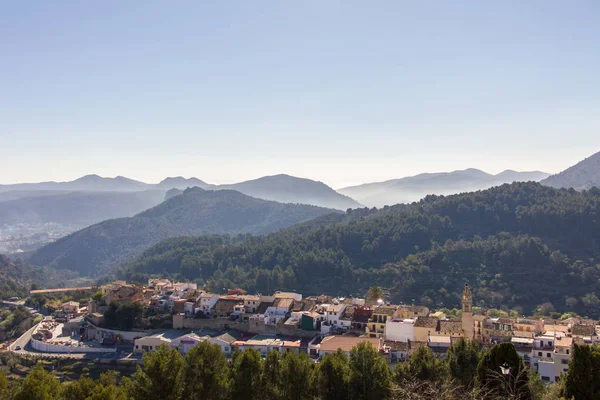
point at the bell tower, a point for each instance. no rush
(467, 312)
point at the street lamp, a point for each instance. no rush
(505, 368)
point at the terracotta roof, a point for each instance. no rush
(385, 310)
(346, 343)
(499, 333)
(225, 305)
(480, 317)
(583, 330)
(262, 307)
(451, 326)
(336, 307)
(418, 309)
(283, 302)
(427, 322)
(348, 313)
(396, 346)
(505, 321)
(563, 342)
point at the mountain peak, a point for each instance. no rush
(583, 175)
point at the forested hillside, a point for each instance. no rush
(94, 250)
(519, 245)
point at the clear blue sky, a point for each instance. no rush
(339, 91)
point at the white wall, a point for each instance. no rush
(399, 331)
(54, 348)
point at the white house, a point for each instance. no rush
(186, 342)
(400, 330)
(224, 341)
(207, 302)
(334, 313)
(150, 343)
(278, 311)
(188, 308)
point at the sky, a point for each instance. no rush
(343, 92)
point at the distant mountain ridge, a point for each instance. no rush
(196, 211)
(413, 188)
(282, 188)
(583, 175)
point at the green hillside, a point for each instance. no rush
(519, 245)
(94, 250)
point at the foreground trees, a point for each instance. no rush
(205, 373)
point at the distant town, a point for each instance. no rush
(180, 315)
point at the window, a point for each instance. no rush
(546, 378)
(564, 361)
(548, 355)
(567, 351)
(539, 353)
(226, 349)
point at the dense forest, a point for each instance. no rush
(520, 246)
(204, 373)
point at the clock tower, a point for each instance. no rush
(467, 312)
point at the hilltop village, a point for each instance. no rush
(179, 315)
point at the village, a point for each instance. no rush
(287, 321)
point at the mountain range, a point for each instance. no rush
(414, 188)
(95, 249)
(583, 175)
(73, 209)
(281, 188)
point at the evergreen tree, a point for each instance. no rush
(463, 358)
(332, 378)
(270, 382)
(246, 371)
(296, 376)
(370, 374)
(583, 377)
(205, 373)
(491, 379)
(422, 365)
(159, 377)
(39, 385)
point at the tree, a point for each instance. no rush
(79, 389)
(296, 376)
(205, 373)
(463, 358)
(370, 374)
(332, 378)
(39, 385)
(270, 382)
(583, 376)
(375, 293)
(422, 365)
(246, 371)
(159, 378)
(122, 316)
(489, 377)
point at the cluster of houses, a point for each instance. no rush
(317, 325)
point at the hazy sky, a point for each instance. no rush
(339, 91)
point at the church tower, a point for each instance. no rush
(467, 312)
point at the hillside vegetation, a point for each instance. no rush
(94, 250)
(519, 245)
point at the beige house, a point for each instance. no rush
(425, 326)
(70, 307)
